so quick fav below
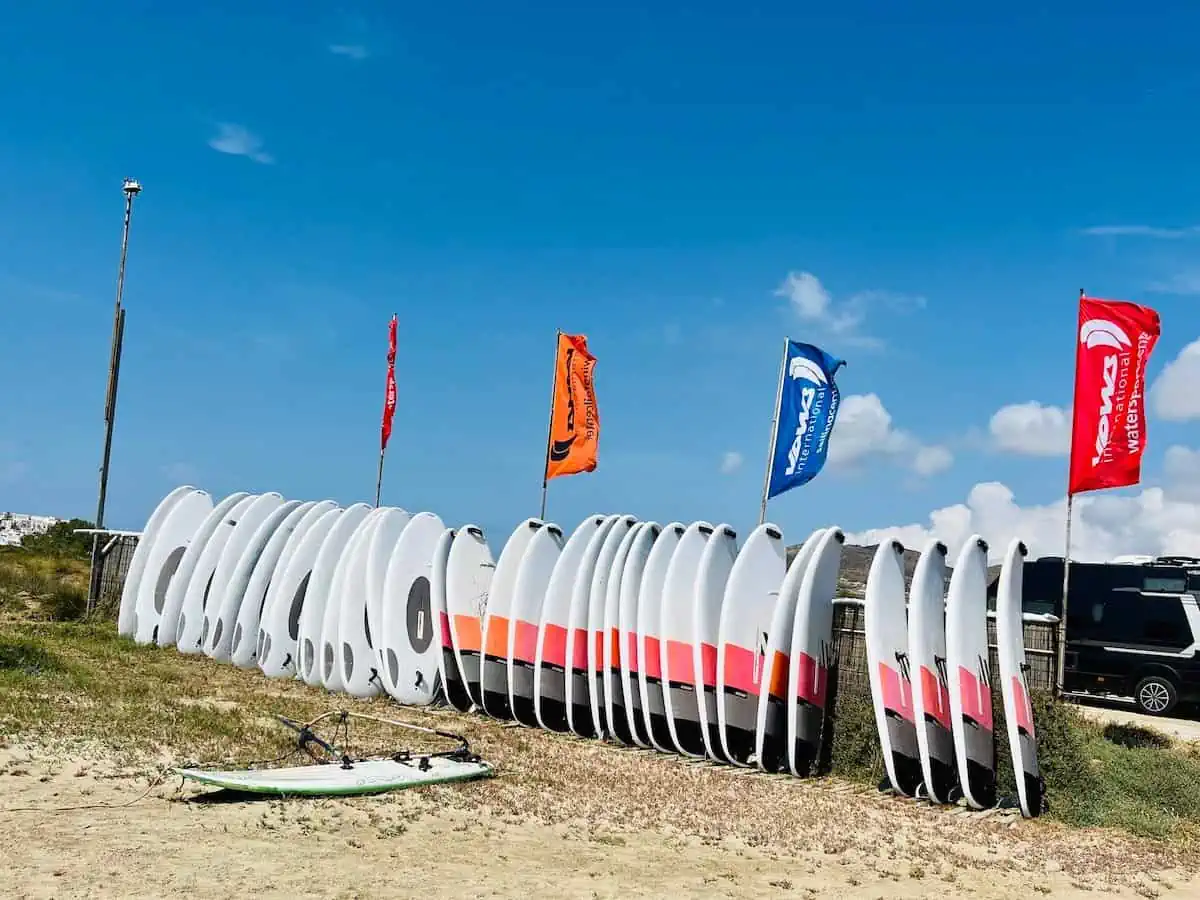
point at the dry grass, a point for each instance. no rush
(73, 688)
(41, 587)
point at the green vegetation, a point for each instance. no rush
(42, 585)
(1116, 776)
(61, 541)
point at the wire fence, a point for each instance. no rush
(1041, 643)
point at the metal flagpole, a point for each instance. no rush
(131, 188)
(550, 425)
(379, 477)
(1061, 662)
(762, 509)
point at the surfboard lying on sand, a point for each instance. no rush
(371, 777)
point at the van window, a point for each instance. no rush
(1194, 581)
(1165, 584)
(1160, 622)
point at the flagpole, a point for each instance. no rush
(762, 509)
(1061, 662)
(550, 424)
(379, 477)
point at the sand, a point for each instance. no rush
(597, 822)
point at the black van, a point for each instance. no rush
(1133, 629)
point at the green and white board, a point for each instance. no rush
(371, 777)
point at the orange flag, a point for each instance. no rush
(574, 439)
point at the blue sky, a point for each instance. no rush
(647, 178)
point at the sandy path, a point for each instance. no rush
(1120, 712)
(475, 841)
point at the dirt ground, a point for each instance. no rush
(510, 837)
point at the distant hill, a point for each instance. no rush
(856, 563)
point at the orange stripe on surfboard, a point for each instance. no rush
(497, 637)
(470, 638)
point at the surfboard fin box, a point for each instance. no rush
(335, 772)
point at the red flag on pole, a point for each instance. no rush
(1108, 429)
(389, 403)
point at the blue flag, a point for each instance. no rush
(808, 407)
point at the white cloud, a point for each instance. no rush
(1181, 283)
(1148, 231)
(1031, 429)
(814, 305)
(1175, 393)
(931, 460)
(1153, 521)
(239, 141)
(864, 431)
(352, 51)
(1181, 468)
(731, 462)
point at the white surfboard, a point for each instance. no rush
(217, 628)
(469, 573)
(168, 626)
(612, 684)
(319, 588)
(202, 588)
(529, 595)
(350, 561)
(968, 670)
(453, 680)
(279, 647)
(1014, 686)
(354, 668)
(550, 672)
(372, 776)
(221, 640)
(813, 653)
(751, 595)
(497, 622)
(927, 661)
(127, 613)
(626, 694)
(255, 570)
(716, 564)
(678, 633)
(171, 541)
(580, 718)
(243, 653)
(607, 569)
(888, 668)
(411, 629)
(391, 525)
(650, 637)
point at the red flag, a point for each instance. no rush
(1108, 429)
(389, 403)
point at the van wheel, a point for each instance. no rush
(1156, 695)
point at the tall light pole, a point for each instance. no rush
(131, 188)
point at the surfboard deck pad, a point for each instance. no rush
(332, 779)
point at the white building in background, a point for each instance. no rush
(16, 526)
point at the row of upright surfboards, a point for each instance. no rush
(659, 636)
